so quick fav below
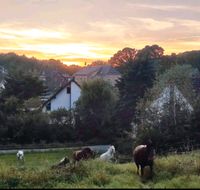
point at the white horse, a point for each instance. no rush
(20, 155)
(109, 154)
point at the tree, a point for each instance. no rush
(150, 53)
(11, 105)
(31, 127)
(95, 108)
(132, 86)
(167, 62)
(61, 117)
(62, 123)
(165, 115)
(138, 76)
(195, 124)
(71, 69)
(55, 71)
(98, 62)
(190, 57)
(123, 56)
(22, 86)
(32, 103)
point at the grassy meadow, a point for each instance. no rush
(175, 171)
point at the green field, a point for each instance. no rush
(178, 171)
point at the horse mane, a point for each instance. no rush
(111, 150)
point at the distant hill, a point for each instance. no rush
(54, 71)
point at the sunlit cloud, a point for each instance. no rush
(32, 33)
(82, 31)
(166, 7)
(152, 24)
(192, 43)
(107, 27)
(190, 24)
(81, 49)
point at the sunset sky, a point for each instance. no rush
(78, 31)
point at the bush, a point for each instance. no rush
(100, 179)
(124, 146)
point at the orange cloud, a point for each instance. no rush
(82, 31)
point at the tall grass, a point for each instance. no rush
(175, 171)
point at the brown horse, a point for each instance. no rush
(83, 154)
(144, 156)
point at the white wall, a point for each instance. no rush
(75, 93)
(62, 100)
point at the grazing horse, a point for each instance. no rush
(109, 154)
(144, 156)
(20, 155)
(83, 154)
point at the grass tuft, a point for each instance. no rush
(174, 171)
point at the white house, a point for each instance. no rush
(65, 97)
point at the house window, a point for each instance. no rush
(48, 106)
(68, 90)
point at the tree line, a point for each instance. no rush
(119, 115)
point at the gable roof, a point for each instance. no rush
(99, 70)
(165, 97)
(59, 90)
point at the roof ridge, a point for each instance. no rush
(60, 89)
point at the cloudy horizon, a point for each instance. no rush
(79, 30)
